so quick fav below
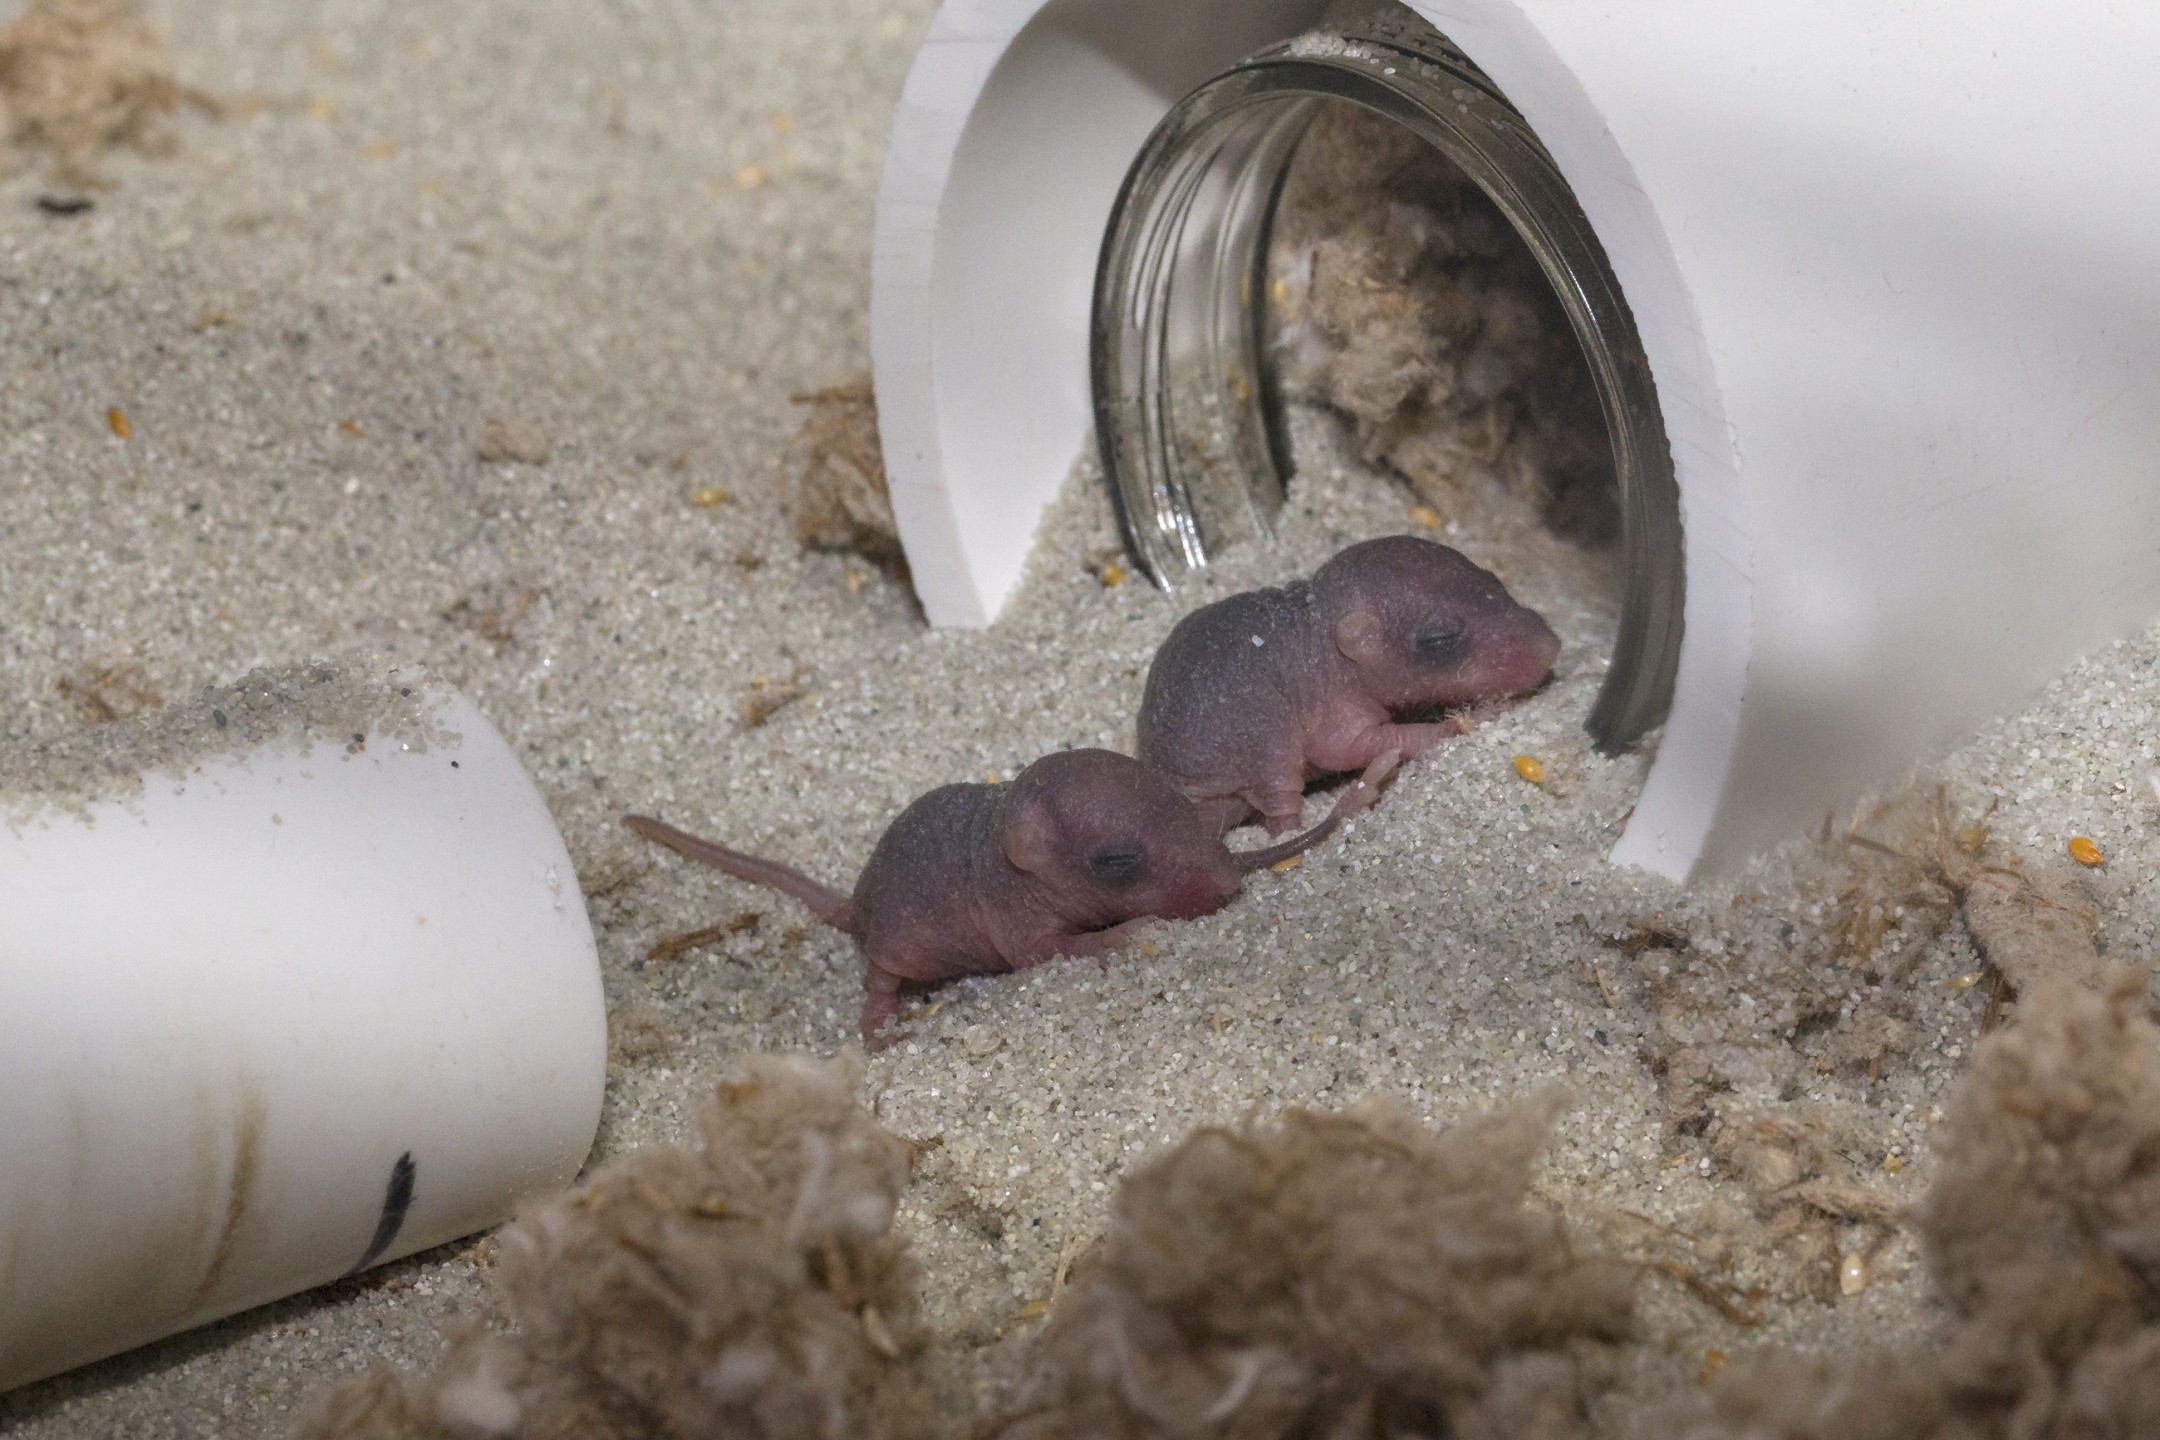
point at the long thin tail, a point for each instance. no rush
(828, 904)
(1357, 796)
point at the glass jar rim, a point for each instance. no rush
(1397, 66)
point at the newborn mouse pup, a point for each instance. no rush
(1251, 697)
(982, 879)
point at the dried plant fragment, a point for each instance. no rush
(637, 1033)
(109, 693)
(512, 442)
(768, 697)
(497, 624)
(836, 476)
(612, 873)
(674, 947)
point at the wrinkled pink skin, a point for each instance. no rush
(1241, 727)
(948, 891)
(983, 879)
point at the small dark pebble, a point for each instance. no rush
(64, 204)
(1599, 1036)
(219, 716)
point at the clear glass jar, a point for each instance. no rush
(1188, 415)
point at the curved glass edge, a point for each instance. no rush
(1398, 66)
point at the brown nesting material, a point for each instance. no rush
(2043, 1234)
(110, 692)
(2034, 927)
(2045, 1218)
(1329, 1275)
(1783, 1396)
(81, 77)
(835, 476)
(1791, 1161)
(752, 1287)
(1406, 303)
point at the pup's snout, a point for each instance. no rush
(1204, 891)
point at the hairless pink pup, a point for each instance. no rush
(1253, 696)
(1068, 859)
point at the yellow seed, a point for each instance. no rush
(932, 1008)
(1852, 1275)
(878, 1334)
(1034, 1308)
(749, 177)
(1426, 516)
(1530, 768)
(1712, 1362)
(1279, 292)
(1893, 1163)
(117, 418)
(706, 499)
(1284, 867)
(1966, 981)
(2085, 852)
(1113, 574)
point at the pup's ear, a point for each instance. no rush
(1358, 636)
(1030, 837)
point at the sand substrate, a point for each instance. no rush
(625, 241)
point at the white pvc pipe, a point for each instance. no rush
(285, 1012)
(1892, 263)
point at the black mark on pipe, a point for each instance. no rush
(396, 1200)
